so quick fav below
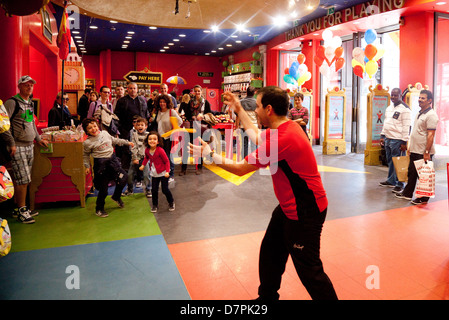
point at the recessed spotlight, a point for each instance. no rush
(153, 28)
(171, 44)
(238, 41)
(234, 36)
(182, 35)
(131, 32)
(126, 41)
(166, 47)
(75, 32)
(213, 51)
(440, 3)
(128, 37)
(113, 21)
(206, 31)
(79, 41)
(240, 27)
(175, 40)
(215, 28)
(93, 27)
(77, 37)
(162, 50)
(207, 53)
(229, 45)
(220, 49)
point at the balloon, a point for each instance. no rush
(303, 69)
(320, 52)
(370, 36)
(319, 61)
(301, 58)
(325, 70)
(380, 52)
(327, 35)
(288, 78)
(357, 52)
(371, 68)
(256, 55)
(225, 63)
(335, 42)
(339, 63)
(286, 70)
(329, 54)
(338, 52)
(370, 51)
(358, 71)
(356, 63)
(293, 71)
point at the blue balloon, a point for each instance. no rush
(370, 36)
(294, 70)
(289, 79)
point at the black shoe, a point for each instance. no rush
(401, 196)
(397, 189)
(119, 202)
(386, 184)
(420, 201)
(101, 214)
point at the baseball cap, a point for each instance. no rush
(26, 78)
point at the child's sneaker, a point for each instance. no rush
(154, 209)
(24, 216)
(119, 202)
(101, 214)
(128, 192)
(149, 194)
(171, 207)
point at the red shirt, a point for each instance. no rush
(159, 159)
(296, 180)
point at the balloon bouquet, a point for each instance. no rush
(298, 73)
(365, 59)
(331, 53)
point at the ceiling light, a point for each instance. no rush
(213, 51)
(279, 21)
(240, 27)
(175, 40)
(153, 28)
(166, 47)
(234, 36)
(77, 37)
(309, 7)
(229, 45)
(126, 41)
(238, 41)
(128, 37)
(440, 3)
(113, 21)
(206, 31)
(215, 28)
(162, 50)
(75, 32)
(182, 35)
(171, 44)
(220, 49)
(131, 32)
(207, 53)
(79, 41)
(93, 27)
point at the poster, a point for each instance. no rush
(380, 104)
(336, 106)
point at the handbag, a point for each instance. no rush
(425, 186)
(401, 167)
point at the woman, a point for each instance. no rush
(56, 115)
(95, 110)
(164, 110)
(298, 113)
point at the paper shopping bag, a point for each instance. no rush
(401, 167)
(426, 179)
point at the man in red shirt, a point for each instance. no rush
(296, 223)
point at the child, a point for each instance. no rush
(160, 169)
(138, 135)
(100, 145)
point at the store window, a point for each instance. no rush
(286, 60)
(441, 83)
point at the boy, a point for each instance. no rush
(138, 136)
(100, 145)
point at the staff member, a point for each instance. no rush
(296, 223)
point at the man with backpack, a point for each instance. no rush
(23, 130)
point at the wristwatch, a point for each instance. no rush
(427, 152)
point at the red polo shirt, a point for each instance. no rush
(296, 180)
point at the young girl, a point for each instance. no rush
(100, 145)
(160, 169)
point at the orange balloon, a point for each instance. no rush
(358, 71)
(319, 61)
(286, 71)
(301, 58)
(339, 64)
(338, 52)
(370, 51)
(320, 52)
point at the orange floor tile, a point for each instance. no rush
(408, 247)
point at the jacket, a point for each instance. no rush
(159, 159)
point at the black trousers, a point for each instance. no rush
(412, 176)
(301, 240)
(165, 190)
(106, 170)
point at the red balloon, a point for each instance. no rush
(320, 52)
(301, 58)
(319, 61)
(339, 64)
(358, 71)
(370, 51)
(286, 71)
(338, 52)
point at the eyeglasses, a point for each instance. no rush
(65, 99)
(108, 92)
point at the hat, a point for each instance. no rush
(26, 78)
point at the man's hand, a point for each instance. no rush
(232, 101)
(43, 143)
(199, 151)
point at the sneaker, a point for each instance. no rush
(397, 189)
(101, 214)
(170, 180)
(24, 216)
(420, 201)
(15, 213)
(149, 194)
(154, 209)
(139, 184)
(401, 196)
(386, 184)
(127, 193)
(119, 202)
(171, 207)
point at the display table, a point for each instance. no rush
(59, 175)
(228, 130)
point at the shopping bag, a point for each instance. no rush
(425, 186)
(6, 185)
(401, 167)
(5, 238)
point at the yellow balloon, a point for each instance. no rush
(371, 68)
(380, 53)
(356, 63)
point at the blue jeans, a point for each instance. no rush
(393, 149)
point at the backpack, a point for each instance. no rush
(6, 185)
(5, 238)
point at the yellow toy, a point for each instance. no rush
(4, 119)
(176, 128)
